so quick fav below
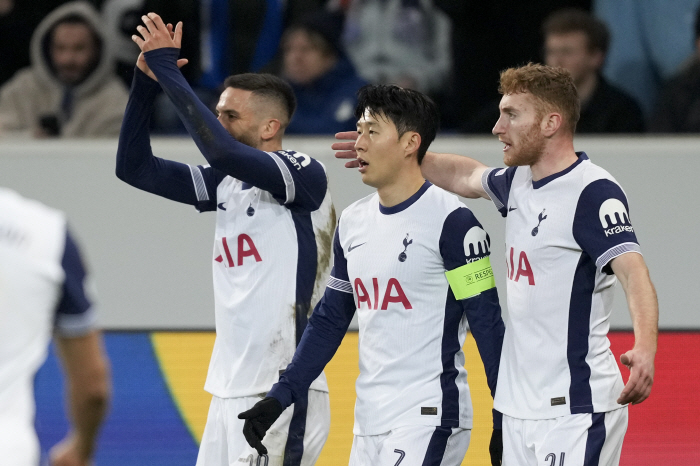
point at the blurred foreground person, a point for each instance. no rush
(42, 290)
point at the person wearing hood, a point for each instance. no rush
(323, 79)
(70, 89)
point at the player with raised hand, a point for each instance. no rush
(272, 241)
(413, 262)
(568, 240)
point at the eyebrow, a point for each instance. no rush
(230, 111)
(508, 109)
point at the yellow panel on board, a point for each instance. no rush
(184, 360)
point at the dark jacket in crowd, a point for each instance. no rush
(327, 105)
(609, 110)
(678, 107)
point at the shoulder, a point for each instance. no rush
(613, 95)
(590, 172)
(23, 81)
(28, 210)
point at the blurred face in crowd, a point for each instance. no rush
(572, 52)
(380, 151)
(307, 57)
(73, 52)
(519, 129)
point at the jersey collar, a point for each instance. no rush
(407, 203)
(539, 183)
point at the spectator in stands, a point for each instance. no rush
(577, 41)
(70, 89)
(678, 107)
(650, 42)
(403, 42)
(323, 79)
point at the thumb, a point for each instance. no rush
(182, 62)
(626, 360)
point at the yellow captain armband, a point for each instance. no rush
(471, 279)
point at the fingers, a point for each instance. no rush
(347, 135)
(157, 21)
(139, 41)
(148, 22)
(343, 146)
(252, 439)
(177, 37)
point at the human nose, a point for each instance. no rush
(498, 128)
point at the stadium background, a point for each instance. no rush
(151, 260)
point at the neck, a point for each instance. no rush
(557, 156)
(271, 145)
(586, 87)
(402, 187)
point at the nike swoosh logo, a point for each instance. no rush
(221, 206)
(511, 209)
(355, 247)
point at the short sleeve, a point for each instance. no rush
(304, 178)
(463, 240)
(338, 279)
(465, 249)
(497, 182)
(74, 314)
(206, 179)
(602, 225)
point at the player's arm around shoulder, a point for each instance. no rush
(633, 274)
(455, 173)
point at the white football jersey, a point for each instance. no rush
(41, 290)
(389, 267)
(271, 262)
(561, 234)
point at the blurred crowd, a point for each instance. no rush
(67, 66)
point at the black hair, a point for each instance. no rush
(265, 85)
(409, 110)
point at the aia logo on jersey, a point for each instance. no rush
(245, 248)
(393, 293)
(519, 267)
(614, 217)
(298, 160)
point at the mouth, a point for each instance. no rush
(363, 165)
(506, 145)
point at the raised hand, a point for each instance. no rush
(156, 35)
(346, 149)
(141, 61)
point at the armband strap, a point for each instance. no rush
(471, 279)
